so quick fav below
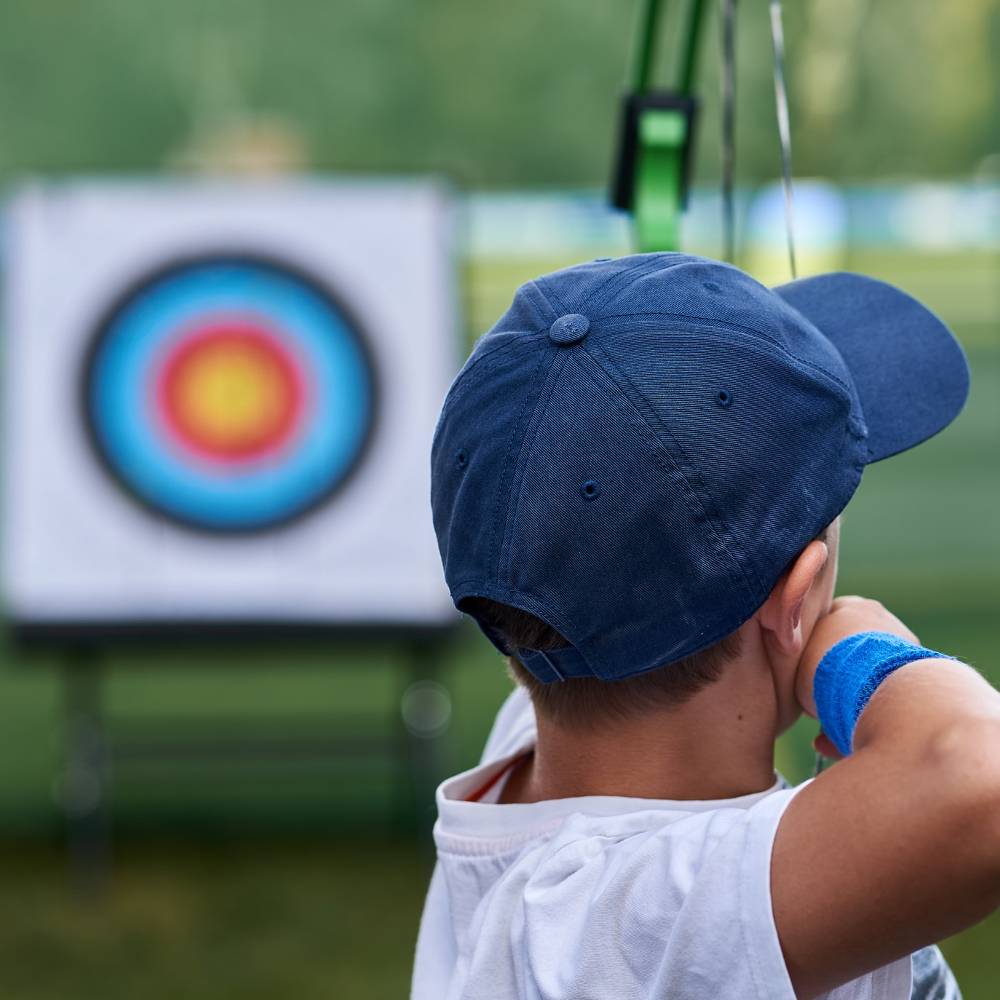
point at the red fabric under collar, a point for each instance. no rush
(478, 794)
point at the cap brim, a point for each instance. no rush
(910, 373)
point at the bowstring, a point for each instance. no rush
(784, 128)
(785, 140)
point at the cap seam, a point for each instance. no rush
(720, 333)
(501, 479)
(552, 300)
(475, 362)
(614, 282)
(716, 326)
(620, 281)
(555, 311)
(531, 433)
(461, 385)
(722, 537)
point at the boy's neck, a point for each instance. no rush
(719, 744)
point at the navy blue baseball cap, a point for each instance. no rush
(640, 447)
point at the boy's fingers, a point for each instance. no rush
(847, 616)
(823, 745)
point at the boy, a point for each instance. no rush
(637, 478)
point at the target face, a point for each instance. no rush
(229, 393)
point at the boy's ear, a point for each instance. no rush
(781, 614)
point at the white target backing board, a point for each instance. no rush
(219, 402)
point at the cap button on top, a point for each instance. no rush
(569, 329)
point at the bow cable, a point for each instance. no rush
(784, 128)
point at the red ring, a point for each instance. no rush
(244, 336)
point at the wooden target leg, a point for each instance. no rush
(85, 783)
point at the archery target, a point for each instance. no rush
(229, 394)
(219, 404)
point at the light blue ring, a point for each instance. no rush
(240, 496)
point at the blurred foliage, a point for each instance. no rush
(523, 92)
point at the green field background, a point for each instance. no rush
(299, 883)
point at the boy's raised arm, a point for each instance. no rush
(898, 846)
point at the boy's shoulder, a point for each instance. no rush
(611, 895)
(585, 882)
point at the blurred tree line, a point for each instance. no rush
(516, 93)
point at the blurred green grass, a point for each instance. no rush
(232, 921)
(251, 921)
(278, 918)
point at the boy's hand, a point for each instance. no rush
(899, 845)
(823, 745)
(847, 616)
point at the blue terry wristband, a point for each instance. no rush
(849, 674)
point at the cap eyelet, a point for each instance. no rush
(591, 489)
(724, 398)
(461, 458)
(711, 286)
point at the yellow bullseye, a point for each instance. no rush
(230, 394)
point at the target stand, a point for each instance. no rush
(220, 406)
(98, 747)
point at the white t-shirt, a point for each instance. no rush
(605, 898)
